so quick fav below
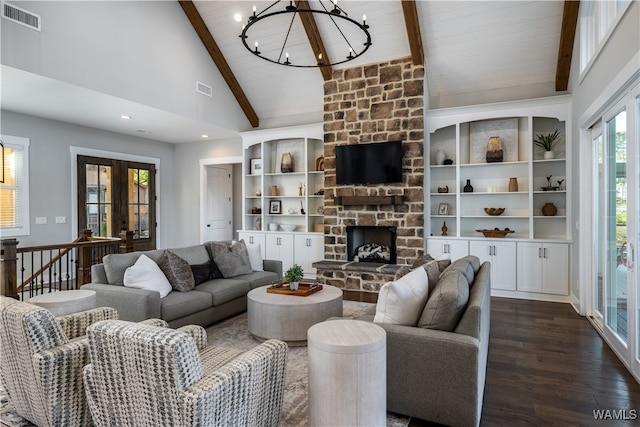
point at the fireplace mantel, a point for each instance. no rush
(369, 200)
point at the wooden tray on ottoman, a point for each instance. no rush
(304, 289)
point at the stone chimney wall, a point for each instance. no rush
(368, 104)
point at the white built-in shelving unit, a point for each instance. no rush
(515, 256)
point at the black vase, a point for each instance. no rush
(468, 188)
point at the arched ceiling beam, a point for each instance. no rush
(413, 31)
(310, 27)
(567, 36)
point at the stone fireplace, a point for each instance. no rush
(368, 104)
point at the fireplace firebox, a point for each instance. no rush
(370, 243)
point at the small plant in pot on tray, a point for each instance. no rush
(294, 276)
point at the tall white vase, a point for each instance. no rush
(440, 157)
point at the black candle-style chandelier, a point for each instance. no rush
(334, 13)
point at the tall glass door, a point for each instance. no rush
(616, 222)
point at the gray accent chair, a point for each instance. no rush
(150, 376)
(439, 375)
(41, 360)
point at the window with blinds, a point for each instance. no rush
(14, 190)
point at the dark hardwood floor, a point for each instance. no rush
(549, 367)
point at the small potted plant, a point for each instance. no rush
(546, 142)
(294, 276)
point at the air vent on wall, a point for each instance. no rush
(204, 89)
(21, 16)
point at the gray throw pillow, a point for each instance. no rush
(465, 265)
(232, 259)
(442, 263)
(178, 272)
(447, 303)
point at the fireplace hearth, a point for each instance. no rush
(370, 243)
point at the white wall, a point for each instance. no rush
(51, 168)
(186, 202)
(142, 51)
(622, 47)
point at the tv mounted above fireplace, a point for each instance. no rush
(372, 163)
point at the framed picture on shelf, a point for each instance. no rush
(255, 166)
(443, 209)
(275, 206)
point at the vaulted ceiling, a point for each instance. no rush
(498, 49)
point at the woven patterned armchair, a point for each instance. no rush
(41, 360)
(148, 376)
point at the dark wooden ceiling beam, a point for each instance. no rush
(413, 31)
(310, 27)
(214, 51)
(567, 37)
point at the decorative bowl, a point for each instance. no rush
(494, 211)
(496, 232)
(288, 227)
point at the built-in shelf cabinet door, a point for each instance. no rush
(309, 248)
(502, 256)
(543, 267)
(252, 238)
(280, 246)
(447, 248)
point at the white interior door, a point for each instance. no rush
(219, 203)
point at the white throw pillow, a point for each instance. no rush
(255, 256)
(401, 302)
(146, 274)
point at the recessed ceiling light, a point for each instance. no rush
(237, 17)
(204, 135)
(125, 117)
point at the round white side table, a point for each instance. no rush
(65, 302)
(347, 374)
(287, 317)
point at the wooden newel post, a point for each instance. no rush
(84, 259)
(9, 268)
(126, 243)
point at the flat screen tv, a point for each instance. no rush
(373, 163)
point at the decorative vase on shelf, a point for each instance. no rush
(258, 223)
(549, 209)
(440, 157)
(513, 184)
(444, 228)
(494, 150)
(286, 164)
(468, 188)
(548, 155)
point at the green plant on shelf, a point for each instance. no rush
(547, 141)
(294, 274)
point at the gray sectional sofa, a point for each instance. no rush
(208, 302)
(439, 375)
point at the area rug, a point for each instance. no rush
(233, 333)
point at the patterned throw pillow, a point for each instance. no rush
(232, 259)
(178, 271)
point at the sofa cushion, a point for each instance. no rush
(467, 265)
(401, 302)
(446, 303)
(116, 264)
(146, 274)
(178, 271)
(257, 279)
(224, 290)
(232, 259)
(206, 271)
(181, 304)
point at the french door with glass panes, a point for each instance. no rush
(116, 195)
(616, 201)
